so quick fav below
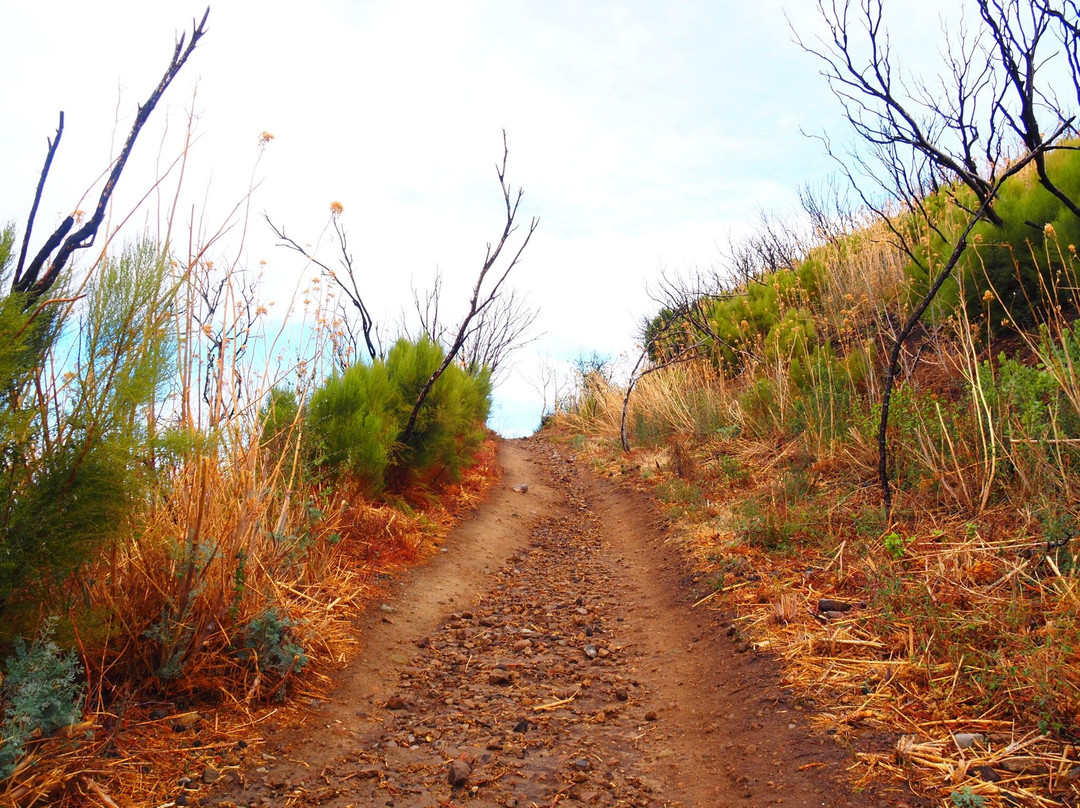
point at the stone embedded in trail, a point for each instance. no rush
(186, 721)
(457, 773)
(521, 488)
(1024, 765)
(500, 677)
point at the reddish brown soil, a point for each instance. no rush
(550, 655)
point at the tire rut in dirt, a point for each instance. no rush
(528, 695)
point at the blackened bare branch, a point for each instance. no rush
(345, 278)
(37, 284)
(483, 295)
(53, 145)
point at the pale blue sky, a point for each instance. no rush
(643, 133)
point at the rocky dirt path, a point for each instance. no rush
(550, 655)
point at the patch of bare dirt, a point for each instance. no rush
(550, 656)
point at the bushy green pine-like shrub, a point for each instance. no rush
(450, 426)
(353, 423)
(75, 445)
(356, 419)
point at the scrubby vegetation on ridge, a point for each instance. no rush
(866, 429)
(762, 445)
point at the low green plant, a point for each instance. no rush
(868, 522)
(732, 469)
(269, 643)
(966, 798)
(648, 431)
(895, 545)
(682, 497)
(279, 416)
(77, 414)
(761, 525)
(41, 691)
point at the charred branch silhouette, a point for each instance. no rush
(502, 328)
(37, 277)
(344, 278)
(488, 289)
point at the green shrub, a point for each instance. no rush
(760, 405)
(450, 426)
(761, 524)
(1033, 416)
(1013, 258)
(41, 692)
(790, 340)
(278, 417)
(269, 643)
(76, 444)
(1015, 261)
(353, 421)
(830, 393)
(356, 420)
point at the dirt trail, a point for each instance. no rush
(549, 656)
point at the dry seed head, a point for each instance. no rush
(1049, 230)
(265, 138)
(336, 208)
(987, 296)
